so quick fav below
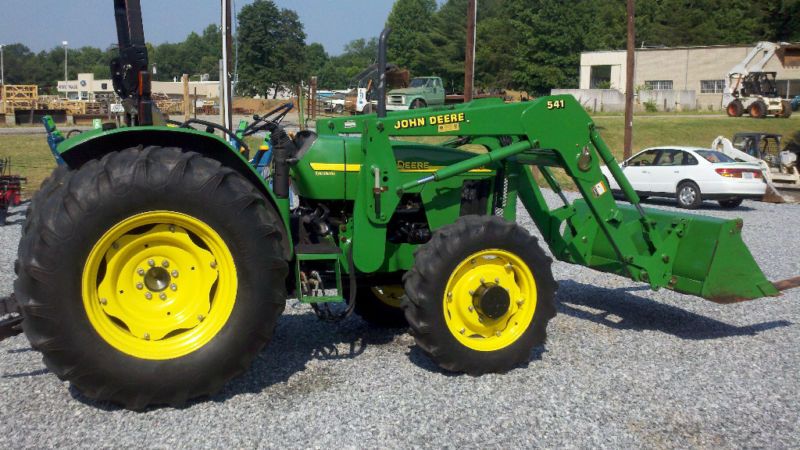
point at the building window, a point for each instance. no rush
(600, 77)
(712, 86)
(658, 85)
(104, 86)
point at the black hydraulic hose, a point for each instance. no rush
(215, 126)
(282, 149)
(382, 71)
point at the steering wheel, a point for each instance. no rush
(267, 121)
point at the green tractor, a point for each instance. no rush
(156, 261)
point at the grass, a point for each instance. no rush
(688, 131)
(31, 158)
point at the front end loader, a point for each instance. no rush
(156, 261)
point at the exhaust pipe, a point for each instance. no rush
(382, 71)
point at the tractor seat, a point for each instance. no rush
(303, 141)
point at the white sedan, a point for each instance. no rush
(691, 175)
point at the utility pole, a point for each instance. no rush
(3, 70)
(65, 43)
(629, 81)
(469, 60)
(226, 103)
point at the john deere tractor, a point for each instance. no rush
(156, 261)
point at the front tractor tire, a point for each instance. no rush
(151, 276)
(480, 296)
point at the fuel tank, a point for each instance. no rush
(328, 169)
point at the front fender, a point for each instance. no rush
(94, 144)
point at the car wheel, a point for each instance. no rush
(688, 195)
(731, 203)
(418, 103)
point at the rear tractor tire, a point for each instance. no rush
(480, 296)
(688, 195)
(735, 109)
(151, 276)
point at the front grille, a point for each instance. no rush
(396, 99)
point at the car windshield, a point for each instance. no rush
(418, 82)
(715, 157)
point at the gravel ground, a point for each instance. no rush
(624, 367)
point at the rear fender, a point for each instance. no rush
(95, 144)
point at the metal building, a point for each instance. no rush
(699, 70)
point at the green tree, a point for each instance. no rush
(410, 45)
(340, 70)
(316, 58)
(271, 48)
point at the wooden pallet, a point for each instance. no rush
(18, 96)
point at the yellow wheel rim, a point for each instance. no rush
(159, 285)
(391, 295)
(500, 324)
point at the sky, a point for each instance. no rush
(44, 24)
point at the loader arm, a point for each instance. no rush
(692, 254)
(130, 73)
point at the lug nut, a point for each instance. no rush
(103, 301)
(172, 228)
(483, 281)
(174, 274)
(520, 302)
(497, 333)
(462, 331)
(472, 261)
(213, 264)
(140, 271)
(151, 263)
(173, 286)
(480, 319)
(148, 295)
(139, 286)
(115, 246)
(497, 280)
(509, 266)
(165, 263)
(201, 317)
(147, 336)
(471, 292)
(471, 308)
(162, 296)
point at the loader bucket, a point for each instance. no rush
(789, 55)
(710, 259)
